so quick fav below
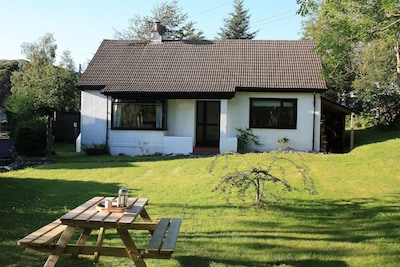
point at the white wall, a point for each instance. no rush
(93, 117)
(181, 119)
(299, 139)
(178, 139)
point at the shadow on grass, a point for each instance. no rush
(28, 204)
(301, 236)
(189, 261)
(374, 135)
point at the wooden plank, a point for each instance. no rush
(100, 216)
(113, 218)
(172, 235)
(91, 249)
(38, 233)
(158, 236)
(135, 253)
(49, 236)
(60, 246)
(92, 211)
(133, 211)
(99, 243)
(81, 208)
(138, 206)
(82, 240)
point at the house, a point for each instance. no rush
(145, 97)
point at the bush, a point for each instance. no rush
(29, 138)
(246, 137)
(95, 149)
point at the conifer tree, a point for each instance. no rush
(237, 25)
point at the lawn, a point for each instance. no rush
(354, 220)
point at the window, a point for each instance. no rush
(273, 113)
(138, 114)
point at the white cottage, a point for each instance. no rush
(145, 97)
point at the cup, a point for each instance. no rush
(107, 204)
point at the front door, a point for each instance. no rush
(207, 123)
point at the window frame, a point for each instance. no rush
(140, 102)
(279, 125)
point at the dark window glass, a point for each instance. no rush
(273, 113)
(138, 114)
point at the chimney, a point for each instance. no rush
(157, 33)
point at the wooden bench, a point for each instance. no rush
(163, 241)
(41, 239)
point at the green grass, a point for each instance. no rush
(353, 221)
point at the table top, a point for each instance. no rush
(89, 215)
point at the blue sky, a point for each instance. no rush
(80, 25)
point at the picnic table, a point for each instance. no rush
(91, 216)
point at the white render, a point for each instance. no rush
(181, 123)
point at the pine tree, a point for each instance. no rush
(236, 26)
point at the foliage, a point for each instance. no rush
(29, 139)
(170, 15)
(237, 25)
(42, 88)
(246, 137)
(95, 149)
(263, 181)
(376, 83)
(348, 35)
(7, 67)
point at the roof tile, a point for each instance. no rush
(222, 66)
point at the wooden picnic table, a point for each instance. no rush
(90, 216)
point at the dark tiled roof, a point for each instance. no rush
(203, 67)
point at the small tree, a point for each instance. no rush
(263, 181)
(237, 25)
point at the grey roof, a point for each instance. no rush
(214, 68)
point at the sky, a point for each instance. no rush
(80, 25)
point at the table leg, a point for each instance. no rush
(99, 243)
(60, 246)
(145, 216)
(82, 240)
(131, 248)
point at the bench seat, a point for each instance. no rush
(163, 241)
(42, 238)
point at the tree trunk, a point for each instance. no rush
(398, 62)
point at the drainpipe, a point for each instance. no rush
(107, 112)
(313, 130)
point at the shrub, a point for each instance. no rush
(246, 137)
(95, 149)
(29, 138)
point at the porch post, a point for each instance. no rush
(223, 119)
(226, 142)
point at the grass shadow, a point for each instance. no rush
(27, 204)
(374, 135)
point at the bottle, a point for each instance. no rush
(122, 197)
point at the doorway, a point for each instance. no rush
(207, 123)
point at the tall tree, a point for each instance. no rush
(42, 88)
(346, 32)
(170, 15)
(237, 24)
(7, 67)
